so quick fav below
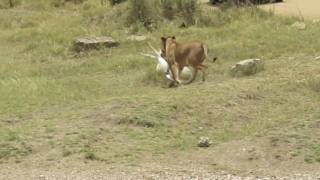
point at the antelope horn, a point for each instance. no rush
(148, 55)
(155, 51)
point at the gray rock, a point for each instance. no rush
(137, 38)
(87, 43)
(299, 25)
(204, 142)
(247, 67)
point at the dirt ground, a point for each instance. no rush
(236, 160)
(309, 9)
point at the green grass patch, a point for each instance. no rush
(13, 144)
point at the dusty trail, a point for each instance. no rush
(92, 171)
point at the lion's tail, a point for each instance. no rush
(206, 56)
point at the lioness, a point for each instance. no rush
(179, 55)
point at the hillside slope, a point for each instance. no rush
(61, 111)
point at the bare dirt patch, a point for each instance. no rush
(265, 157)
(205, 164)
(307, 8)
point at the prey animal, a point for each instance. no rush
(179, 55)
(163, 66)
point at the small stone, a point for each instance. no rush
(204, 142)
(299, 25)
(317, 58)
(316, 21)
(42, 177)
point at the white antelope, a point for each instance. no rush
(163, 66)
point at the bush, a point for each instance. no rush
(168, 8)
(60, 3)
(75, 1)
(187, 9)
(140, 12)
(114, 2)
(146, 12)
(240, 2)
(57, 3)
(9, 3)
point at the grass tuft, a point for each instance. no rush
(313, 83)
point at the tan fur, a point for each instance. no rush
(179, 55)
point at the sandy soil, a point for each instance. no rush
(236, 160)
(309, 9)
(154, 171)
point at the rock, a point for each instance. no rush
(247, 67)
(299, 25)
(87, 43)
(42, 177)
(317, 58)
(315, 21)
(204, 142)
(137, 38)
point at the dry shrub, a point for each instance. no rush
(60, 3)
(168, 9)
(9, 3)
(114, 2)
(141, 12)
(314, 83)
(188, 10)
(185, 9)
